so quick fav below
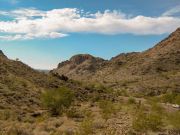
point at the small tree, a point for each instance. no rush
(57, 100)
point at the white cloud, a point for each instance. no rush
(32, 23)
(172, 11)
(32, 36)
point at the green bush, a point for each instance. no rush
(143, 122)
(168, 98)
(131, 100)
(177, 99)
(173, 98)
(157, 108)
(122, 92)
(86, 127)
(174, 119)
(108, 108)
(57, 100)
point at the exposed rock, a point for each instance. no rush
(82, 64)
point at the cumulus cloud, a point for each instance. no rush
(25, 24)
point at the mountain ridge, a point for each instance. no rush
(163, 58)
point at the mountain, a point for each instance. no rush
(156, 69)
(21, 87)
(24, 91)
(79, 66)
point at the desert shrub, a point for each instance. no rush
(174, 119)
(154, 99)
(131, 100)
(68, 132)
(177, 99)
(86, 127)
(17, 131)
(95, 98)
(157, 108)
(99, 87)
(171, 98)
(5, 115)
(109, 90)
(61, 77)
(57, 100)
(143, 122)
(87, 113)
(122, 92)
(108, 108)
(99, 124)
(74, 113)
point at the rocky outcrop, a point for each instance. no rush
(78, 65)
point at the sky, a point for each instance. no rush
(43, 33)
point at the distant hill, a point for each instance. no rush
(80, 66)
(155, 70)
(43, 70)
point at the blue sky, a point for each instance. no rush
(43, 33)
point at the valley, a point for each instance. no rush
(136, 93)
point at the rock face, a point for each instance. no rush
(160, 62)
(82, 64)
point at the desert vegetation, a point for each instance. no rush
(57, 100)
(123, 96)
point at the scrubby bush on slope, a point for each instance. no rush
(57, 100)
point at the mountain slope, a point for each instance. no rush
(21, 86)
(79, 65)
(159, 64)
(21, 108)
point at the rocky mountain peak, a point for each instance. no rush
(80, 58)
(177, 30)
(169, 45)
(175, 34)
